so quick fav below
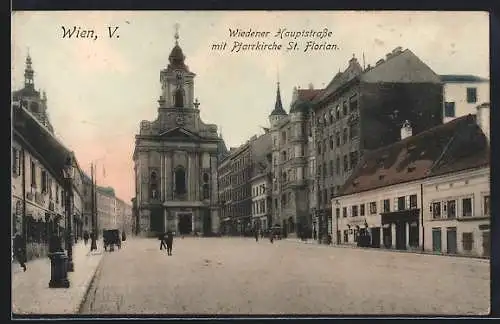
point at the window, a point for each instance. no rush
(486, 205)
(337, 112)
(467, 207)
(44, 181)
(337, 166)
(346, 236)
(353, 130)
(413, 201)
(373, 207)
(33, 174)
(325, 145)
(353, 104)
(331, 142)
(346, 163)
(354, 159)
(344, 212)
(344, 136)
(401, 203)
(337, 138)
(319, 148)
(179, 98)
(449, 109)
(15, 161)
(362, 210)
(436, 210)
(344, 108)
(471, 95)
(283, 136)
(180, 181)
(331, 167)
(451, 209)
(337, 212)
(319, 170)
(354, 211)
(467, 241)
(387, 206)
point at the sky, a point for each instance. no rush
(99, 89)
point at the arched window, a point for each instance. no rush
(153, 185)
(179, 98)
(205, 177)
(180, 181)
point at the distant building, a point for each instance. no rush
(462, 94)
(224, 174)
(124, 216)
(106, 209)
(413, 193)
(260, 182)
(176, 159)
(363, 109)
(290, 163)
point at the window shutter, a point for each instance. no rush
(407, 202)
(395, 204)
(382, 206)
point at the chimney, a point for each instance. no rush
(379, 62)
(406, 130)
(388, 56)
(483, 119)
(397, 50)
(311, 86)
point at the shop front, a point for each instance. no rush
(400, 229)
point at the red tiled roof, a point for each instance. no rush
(451, 147)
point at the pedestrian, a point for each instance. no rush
(170, 241)
(271, 236)
(93, 242)
(124, 236)
(256, 234)
(20, 250)
(162, 241)
(85, 237)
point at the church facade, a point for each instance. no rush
(175, 160)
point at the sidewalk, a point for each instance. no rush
(351, 246)
(31, 293)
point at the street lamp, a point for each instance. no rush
(68, 177)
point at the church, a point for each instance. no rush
(176, 158)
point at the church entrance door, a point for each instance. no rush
(207, 223)
(185, 223)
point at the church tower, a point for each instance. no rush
(31, 99)
(278, 113)
(175, 158)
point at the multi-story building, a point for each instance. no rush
(290, 162)
(260, 181)
(462, 94)
(224, 172)
(176, 159)
(241, 195)
(124, 216)
(406, 193)
(38, 184)
(363, 109)
(106, 209)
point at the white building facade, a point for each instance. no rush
(261, 208)
(457, 213)
(462, 94)
(366, 210)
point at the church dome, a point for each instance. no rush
(176, 56)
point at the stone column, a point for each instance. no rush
(393, 235)
(162, 176)
(382, 236)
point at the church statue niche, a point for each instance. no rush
(153, 186)
(180, 181)
(179, 98)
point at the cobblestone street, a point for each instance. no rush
(241, 276)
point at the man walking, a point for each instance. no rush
(85, 237)
(170, 242)
(162, 241)
(19, 250)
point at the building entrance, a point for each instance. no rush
(185, 223)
